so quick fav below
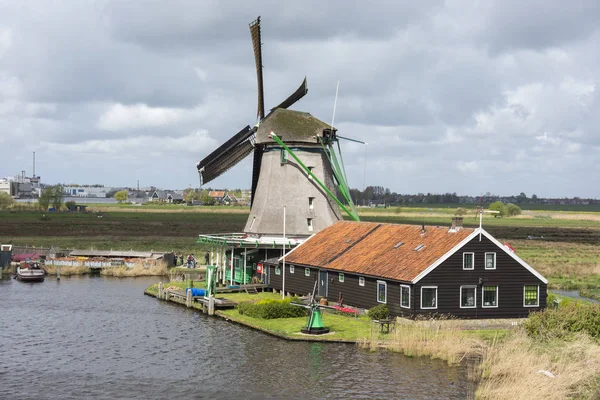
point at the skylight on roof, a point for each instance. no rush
(419, 247)
(398, 244)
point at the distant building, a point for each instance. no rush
(86, 191)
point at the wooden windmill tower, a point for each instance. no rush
(295, 165)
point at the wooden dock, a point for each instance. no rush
(180, 296)
(183, 297)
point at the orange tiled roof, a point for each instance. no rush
(369, 248)
(216, 194)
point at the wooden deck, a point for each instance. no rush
(180, 296)
(252, 288)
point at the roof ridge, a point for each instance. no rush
(353, 244)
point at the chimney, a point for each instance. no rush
(457, 223)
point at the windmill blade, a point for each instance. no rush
(227, 155)
(257, 44)
(294, 97)
(312, 297)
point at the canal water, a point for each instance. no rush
(101, 338)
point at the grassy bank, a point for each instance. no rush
(123, 271)
(137, 270)
(67, 270)
(566, 265)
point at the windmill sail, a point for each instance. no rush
(227, 155)
(294, 97)
(256, 43)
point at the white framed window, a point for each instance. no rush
(291, 269)
(306, 271)
(361, 281)
(468, 260)
(489, 296)
(468, 296)
(531, 296)
(341, 277)
(490, 260)
(284, 156)
(381, 292)
(310, 224)
(277, 270)
(405, 296)
(311, 203)
(429, 297)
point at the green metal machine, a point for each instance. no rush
(314, 324)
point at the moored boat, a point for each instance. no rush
(30, 272)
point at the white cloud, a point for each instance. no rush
(468, 167)
(119, 117)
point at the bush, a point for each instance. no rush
(271, 309)
(564, 322)
(460, 211)
(512, 210)
(379, 312)
(498, 206)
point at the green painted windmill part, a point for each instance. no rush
(338, 174)
(211, 280)
(314, 324)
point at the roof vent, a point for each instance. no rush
(419, 247)
(348, 240)
(398, 244)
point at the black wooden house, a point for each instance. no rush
(414, 270)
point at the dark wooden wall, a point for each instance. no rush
(509, 276)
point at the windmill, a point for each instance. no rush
(306, 183)
(314, 324)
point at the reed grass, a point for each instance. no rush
(521, 368)
(418, 338)
(67, 270)
(139, 269)
(509, 366)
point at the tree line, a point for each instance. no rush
(380, 195)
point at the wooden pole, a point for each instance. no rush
(188, 298)
(58, 272)
(231, 277)
(283, 284)
(245, 253)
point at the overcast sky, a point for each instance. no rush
(454, 96)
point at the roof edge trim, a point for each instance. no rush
(292, 250)
(445, 256)
(514, 256)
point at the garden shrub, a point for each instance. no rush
(271, 309)
(565, 321)
(379, 312)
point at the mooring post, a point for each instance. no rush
(160, 290)
(211, 305)
(58, 272)
(188, 298)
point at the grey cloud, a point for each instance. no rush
(450, 97)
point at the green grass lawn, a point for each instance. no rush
(341, 327)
